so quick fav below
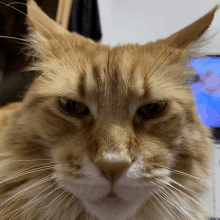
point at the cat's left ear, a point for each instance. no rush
(43, 26)
(188, 35)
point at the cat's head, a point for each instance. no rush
(119, 123)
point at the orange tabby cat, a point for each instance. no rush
(105, 133)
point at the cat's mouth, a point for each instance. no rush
(111, 197)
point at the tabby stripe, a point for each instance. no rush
(82, 85)
(96, 75)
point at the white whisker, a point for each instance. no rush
(31, 160)
(33, 200)
(162, 205)
(12, 198)
(186, 174)
(158, 209)
(48, 32)
(28, 171)
(25, 40)
(169, 200)
(39, 200)
(42, 27)
(59, 202)
(49, 203)
(209, 170)
(42, 198)
(190, 191)
(67, 203)
(197, 202)
(174, 202)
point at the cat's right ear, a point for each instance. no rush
(41, 25)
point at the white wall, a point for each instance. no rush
(216, 182)
(140, 21)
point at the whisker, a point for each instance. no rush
(42, 27)
(207, 169)
(67, 203)
(164, 84)
(51, 35)
(197, 202)
(12, 3)
(168, 184)
(39, 200)
(158, 210)
(33, 200)
(184, 212)
(162, 205)
(59, 202)
(154, 203)
(148, 210)
(44, 73)
(157, 61)
(75, 209)
(179, 207)
(31, 160)
(169, 200)
(30, 42)
(48, 204)
(27, 171)
(35, 67)
(12, 198)
(168, 55)
(185, 202)
(186, 174)
(188, 190)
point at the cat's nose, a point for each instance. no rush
(112, 170)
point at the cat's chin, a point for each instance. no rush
(110, 201)
(116, 208)
(106, 203)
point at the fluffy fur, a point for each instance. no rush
(53, 165)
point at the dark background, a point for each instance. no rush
(14, 80)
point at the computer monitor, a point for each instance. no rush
(206, 89)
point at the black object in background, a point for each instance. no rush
(85, 19)
(15, 81)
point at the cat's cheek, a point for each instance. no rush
(69, 149)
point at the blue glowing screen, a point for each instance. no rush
(206, 89)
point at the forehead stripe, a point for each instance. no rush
(82, 85)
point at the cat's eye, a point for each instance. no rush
(73, 108)
(152, 110)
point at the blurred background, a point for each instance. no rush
(116, 22)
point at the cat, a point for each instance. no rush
(105, 133)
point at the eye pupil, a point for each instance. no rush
(73, 107)
(153, 107)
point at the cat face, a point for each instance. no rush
(117, 123)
